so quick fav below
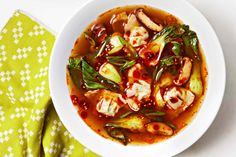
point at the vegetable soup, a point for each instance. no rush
(137, 75)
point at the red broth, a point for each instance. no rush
(174, 119)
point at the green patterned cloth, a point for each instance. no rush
(29, 125)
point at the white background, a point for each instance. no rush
(220, 139)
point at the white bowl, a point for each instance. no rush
(105, 147)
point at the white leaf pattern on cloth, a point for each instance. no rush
(10, 95)
(3, 56)
(34, 94)
(42, 72)
(42, 51)
(6, 75)
(56, 127)
(25, 128)
(27, 152)
(24, 133)
(10, 153)
(22, 53)
(4, 31)
(37, 30)
(17, 32)
(52, 149)
(2, 117)
(19, 112)
(37, 114)
(25, 75)
(4, 136)
(66, 152)
(66, 133)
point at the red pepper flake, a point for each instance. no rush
(156, 127)
(83, 104)
(74, 99)
(136, 74)
(134, 42)
(84, 114)
(145, 76)
(174, 100)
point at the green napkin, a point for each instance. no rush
(29, 125)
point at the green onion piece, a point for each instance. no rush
(171, 125)
(129, 46)
(127, 65)
(156, 113)
(176, 48)
(90, 40)
(126, 114)
(158, 75)
(102, 47)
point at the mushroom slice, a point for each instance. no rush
(147, 21)
(178, 98)
(184, 73)
(99, 31)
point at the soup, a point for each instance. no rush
(137, 75)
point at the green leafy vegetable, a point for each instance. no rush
(165, 63)
(129, 46)
(191, 43)
(157, 74)
(74, 68)
(162, 38)
(126, 114)
(122, 62)
(195, 81)
(74, 63)
(117, 60)
(127, 65)
(170, 61)
(94, 85)
(156, 113)
(90, 78)
(75, 77)
(108, 71)
(171, 125)
(176, 48)
(116, 44)
(169, 33)
(134, 123)
(101, 49)
(117, 134)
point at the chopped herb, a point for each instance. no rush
(171, 125)
(90, 40)
(117, 134)
(176, 48)
(126, 114)
(156, 113)
(101, 49)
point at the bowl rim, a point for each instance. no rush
(98, 144)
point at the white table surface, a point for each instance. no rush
(220, 139)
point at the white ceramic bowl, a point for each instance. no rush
(105, 147)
